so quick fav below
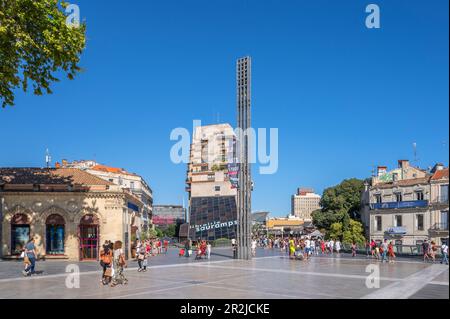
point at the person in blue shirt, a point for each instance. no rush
(30, 251)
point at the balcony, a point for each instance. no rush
(399, 205)
(439, 229)
(440, 200)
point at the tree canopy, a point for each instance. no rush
(36, 43)
(339, 204)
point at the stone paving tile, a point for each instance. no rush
(269, 276)
(432, 292)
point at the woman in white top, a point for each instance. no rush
(119, 263)
(338, 246)
(254, 248)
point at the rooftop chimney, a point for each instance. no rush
(381, 170)
(403, 164)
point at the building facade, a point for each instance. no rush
(69, 212)
(408, 207)
(128, 181)
(304, 203)
(212, 198)
(165, 215)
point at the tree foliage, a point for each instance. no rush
(339, 204)
(354, 233)
(35, 45)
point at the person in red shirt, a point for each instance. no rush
(166, 245)
(391, 255)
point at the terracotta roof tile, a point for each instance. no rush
(440, 174)
(49, 176)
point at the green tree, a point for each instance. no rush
(355, 233)
(335, 231)
(35, 44)
(339, 204)
(170, 231)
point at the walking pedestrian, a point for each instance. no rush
(384, 250)
(106, 256)
(208, 250)
(354, 247)
(142, 257)
(391, 255)
(254, 248)
(425, 250)
(368, 248)
(338, 246)
(118, 263)
(31, 254)
(444, 251)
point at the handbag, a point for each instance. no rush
(108, 272)
(141, 257)
(22, 255)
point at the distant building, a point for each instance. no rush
(285, 226)
(304, 203)
(165, 215)
(260, 218)
(407, 205)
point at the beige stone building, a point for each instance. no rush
(69, 212)
(304, 203)
(408, 210)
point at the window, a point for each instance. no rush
(444, 220)
(378, 199)
(444, 194)
(398, 242)
(217, 188)
(132, 185)
(398, 220)
(111, 180)
(378, 224)
(419, 221)
(419, 195)
(398, 197)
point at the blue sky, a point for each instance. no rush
(345, 98)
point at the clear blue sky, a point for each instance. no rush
(344, 97)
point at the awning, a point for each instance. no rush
(133, 207)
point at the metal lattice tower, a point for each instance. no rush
(243, 82)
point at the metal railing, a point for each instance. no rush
(399, 250)
(440, 226)
(442, 199)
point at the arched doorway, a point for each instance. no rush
(55, 231)
(89, 237)
(20, 233)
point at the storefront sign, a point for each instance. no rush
(214, 225)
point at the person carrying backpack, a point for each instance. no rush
(106, 256)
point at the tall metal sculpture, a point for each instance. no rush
(243, 81)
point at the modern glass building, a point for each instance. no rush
(213, 217)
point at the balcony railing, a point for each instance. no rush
(440, 226)
(443, 199)
(404, 204)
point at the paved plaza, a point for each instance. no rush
(271, 275)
